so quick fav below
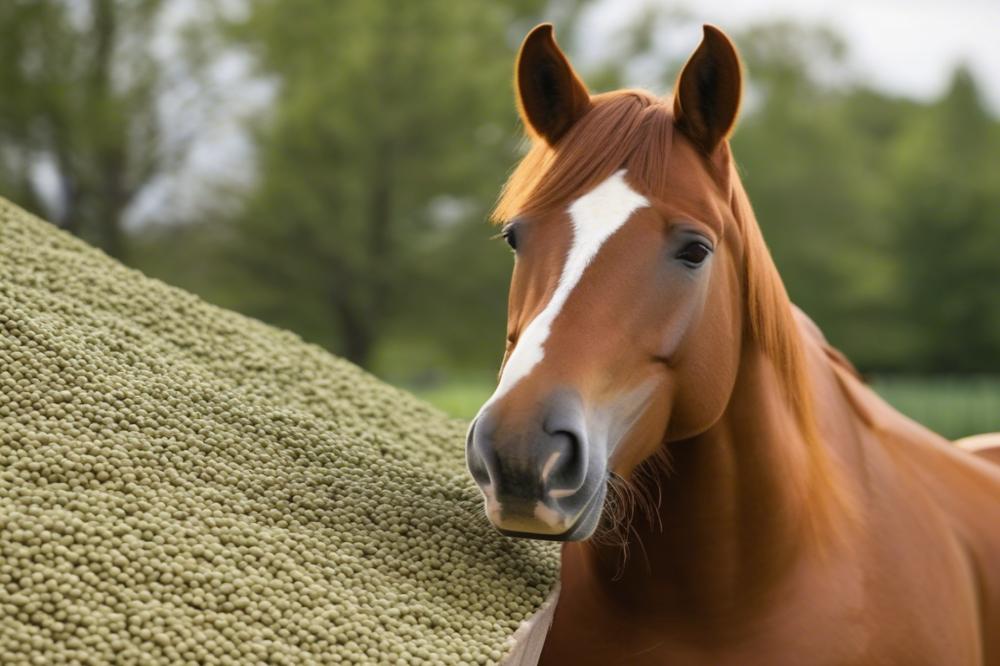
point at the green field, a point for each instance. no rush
(952, 406)
(461, 398)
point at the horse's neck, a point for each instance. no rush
(738, 506)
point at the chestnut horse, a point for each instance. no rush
(729, 492)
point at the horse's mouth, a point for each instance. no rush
(582, 527)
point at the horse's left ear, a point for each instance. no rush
(707, 95)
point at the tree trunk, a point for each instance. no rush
(379, 227)
(109, 151)
(357, 333)
(112, 202)
(361, 313)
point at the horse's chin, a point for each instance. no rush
(582, 528)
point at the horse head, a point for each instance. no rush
(639, 270)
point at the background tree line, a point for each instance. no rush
(391, 129)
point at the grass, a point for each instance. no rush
(460, 398)
(953, 406)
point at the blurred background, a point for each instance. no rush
(328, 166)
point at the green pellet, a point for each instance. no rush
(182, 484)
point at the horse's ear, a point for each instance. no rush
(707, 95)
(550, 95)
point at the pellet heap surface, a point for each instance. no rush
(182, 484)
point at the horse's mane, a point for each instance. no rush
(633, 129)
(770, 314)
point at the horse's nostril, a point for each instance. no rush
(480, 472)
(565, 469)
(476, 454)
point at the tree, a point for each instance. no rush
(391, 133)
(815, 176)
(393, 127)
(947, 221)
(80, 91)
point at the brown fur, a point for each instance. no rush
(633, 129)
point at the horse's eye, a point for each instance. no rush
(509, 236)
(694, 253)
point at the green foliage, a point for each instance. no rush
(947, 224)
(883, 214)
(378, 165)
(812, 175)
(392, 130)
(79, 95)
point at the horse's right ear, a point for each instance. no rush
(550, 95)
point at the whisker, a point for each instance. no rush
(642, 494)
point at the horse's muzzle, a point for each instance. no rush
(540, 478)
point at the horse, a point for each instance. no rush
(726, 488)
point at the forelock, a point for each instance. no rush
(628, 129)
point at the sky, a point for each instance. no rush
(907, 47)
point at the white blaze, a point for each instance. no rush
(594, 216)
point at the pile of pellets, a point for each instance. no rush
(182, 484)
